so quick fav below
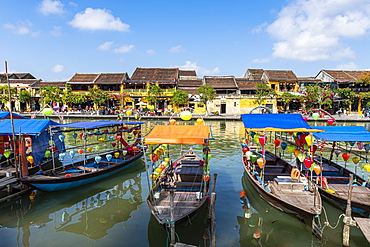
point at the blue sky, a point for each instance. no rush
(53, 40)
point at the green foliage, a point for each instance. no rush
(319, 96)
(72, 98)
(52, 94)
(287, 97)
(364, 79)
(153, 94)
(4, 94)
(24, 96)
(263, 92)
(347, 95)
(97, 96)
(179, 98)
(206, 94)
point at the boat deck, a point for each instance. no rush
(359, 193)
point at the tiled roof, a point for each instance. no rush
(155, 74)
(307, 79)
(244, 84)
(39, 84)
(111, 78)
(84, 78)
(22, 82)
(192, 91)
(188, 73)
(255, 74)
(343, 75)
(283, 75)
(220, 81)
(190, 83)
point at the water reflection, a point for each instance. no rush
(89, 211)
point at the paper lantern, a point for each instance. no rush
(284, 145)
(360, 145)
(346, 156)
(331, 121)
(128, 113)
(317, 169)
(305, 118)
(116, 154)
(88, 150)
(291, 148)
(313, 148)
(118, 137)
(261, 162)
(301, 156)
(186, 115)
(113, 144)
(124, 152)
(30, 159)
(307, 162)
(68, 175)
(244, 145)
(61, 137)
(337, 152)
(61, 156)
(74, 135)
(97, 159)
(47, 111)
(253, 157)
(199, 121)
(109, 157)
(315, 115)
(309, 139)
(153, 157)
(252, 134)
(356, 160)
(276, 143)
(97, 148)
(262, 139)
(81, 135)
(167, 160)
(47, 153)
(80, 151)
(172, 121)
(296, 152)
(101, 140)
(72, 153)
(248, 155)
(367, 168)
(245, 149)
(367, 148)
(111, 138)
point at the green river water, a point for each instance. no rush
(113, 212)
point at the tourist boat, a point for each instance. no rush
(333, 181)
(179, 187)
(101, 163)
(279, 183)
(32, 149)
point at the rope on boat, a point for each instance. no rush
(168, 226)
(327, 223)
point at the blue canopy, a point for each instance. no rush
(25, 126)
(6, 114)
(94, 124)
(343, 133)
(276, 121)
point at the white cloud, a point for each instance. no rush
(98, 19)
(21, 27)
(261, 60)
(58, 68)
(151, 52)
(124, 49)
(312, 30)
(348, 66)
(105, 46)
(200, 70)
(56, 31)
(48, 7)
(176, 49)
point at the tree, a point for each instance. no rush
(179, 98)
(52, 94)
(320, 96)
(70, 98)
(347, 95)
(24, 96)
(263, 92)
(4, 94)
(153, 94)
(287, 97)
(97, 96)
(206, 94)
(364, 79)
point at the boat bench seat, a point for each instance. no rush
(333, 177)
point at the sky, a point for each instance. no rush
(54, 39)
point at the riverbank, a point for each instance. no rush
(354, 117)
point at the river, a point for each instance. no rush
(114, 212)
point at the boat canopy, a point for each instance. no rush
(343, 133)
(94, 124)
(178, 134)
(25, 126)
(6, 115)
(276, 123)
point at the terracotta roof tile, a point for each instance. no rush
(244, 83)
(307, 79)
(285, 75)
(22, 82)
(111, 78)
(220, 81)
(190, 83)
(344, 75)
(84, 78)
(255, 74)
(155, 74)
(192, 73)
(39, 84)
(192, 91)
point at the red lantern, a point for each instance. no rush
(331, 121)
(118, 137)
(245, 149)
(277, 143)
(153, 157)
(262, 139)
(305, 118)
(345, 156)
(313, 149)
(113, 144)
(307, 162)
(81, 135)
(80, 151)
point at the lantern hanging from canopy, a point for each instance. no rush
(301, 156)
(61, 137)
(367, 167)
(80, 151)
(262, 139)
(47, 111)
(284, 145)
(360, 145)
(62, 156)
(30, 159)
(315, 115)
(367, 148)
(172, 121)
(331, 121)
(356, 160)
(346, 156)
(317, 169)
(307, 162)
(97, 159)
(47, 153)
(261, 162)
(276, 142)
(337, 152)
(186, 115)
(309, 139)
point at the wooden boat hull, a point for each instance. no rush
(50, 183)
(275, 200)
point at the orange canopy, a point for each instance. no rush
(178, 134)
